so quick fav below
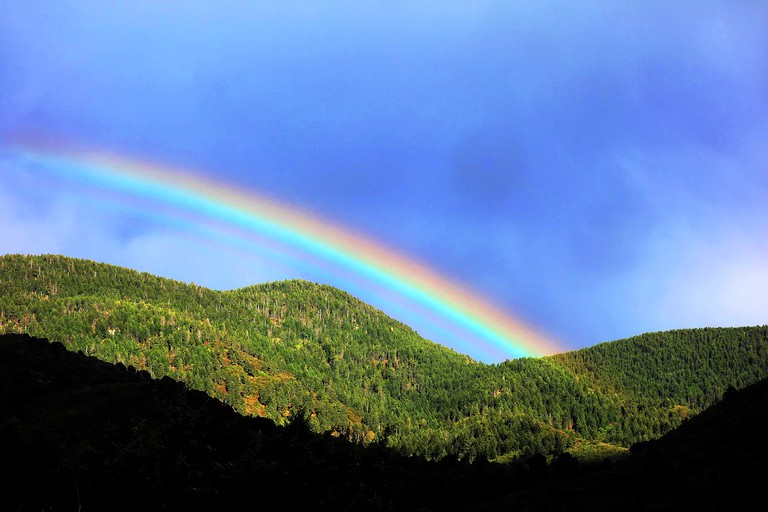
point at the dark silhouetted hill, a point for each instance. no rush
(80, 434)
(714, 461)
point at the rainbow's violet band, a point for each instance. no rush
(495, 335)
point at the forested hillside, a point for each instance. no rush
(693, 366)
(97, 436)
(684, 371)
(78, 432)
(713, 462)
(294, 348)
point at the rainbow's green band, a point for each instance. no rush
(495, 335)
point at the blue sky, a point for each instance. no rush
(597, 168)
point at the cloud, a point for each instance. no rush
(195, 259)
(33, 220)
(703, 261)
(728, 286)
(38, 219)
(710, 277)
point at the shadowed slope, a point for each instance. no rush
(77, 432)
(80, 433)
(714, 461)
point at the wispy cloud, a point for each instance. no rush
(35, 219)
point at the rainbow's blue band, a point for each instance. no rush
(493, 334)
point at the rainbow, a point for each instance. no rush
(481, 328)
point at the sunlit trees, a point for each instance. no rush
(280, 347)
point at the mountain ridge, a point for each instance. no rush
(294, 347)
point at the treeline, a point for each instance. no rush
(296, 348)
(686, 366)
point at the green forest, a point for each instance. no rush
(298, 351)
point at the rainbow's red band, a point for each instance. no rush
(492, 334)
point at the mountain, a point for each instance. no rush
(77, 433)
(80, 434)
(714, 461)
(293, 348)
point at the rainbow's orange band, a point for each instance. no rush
(495, 335)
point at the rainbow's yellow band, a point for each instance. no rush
(495, 334)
